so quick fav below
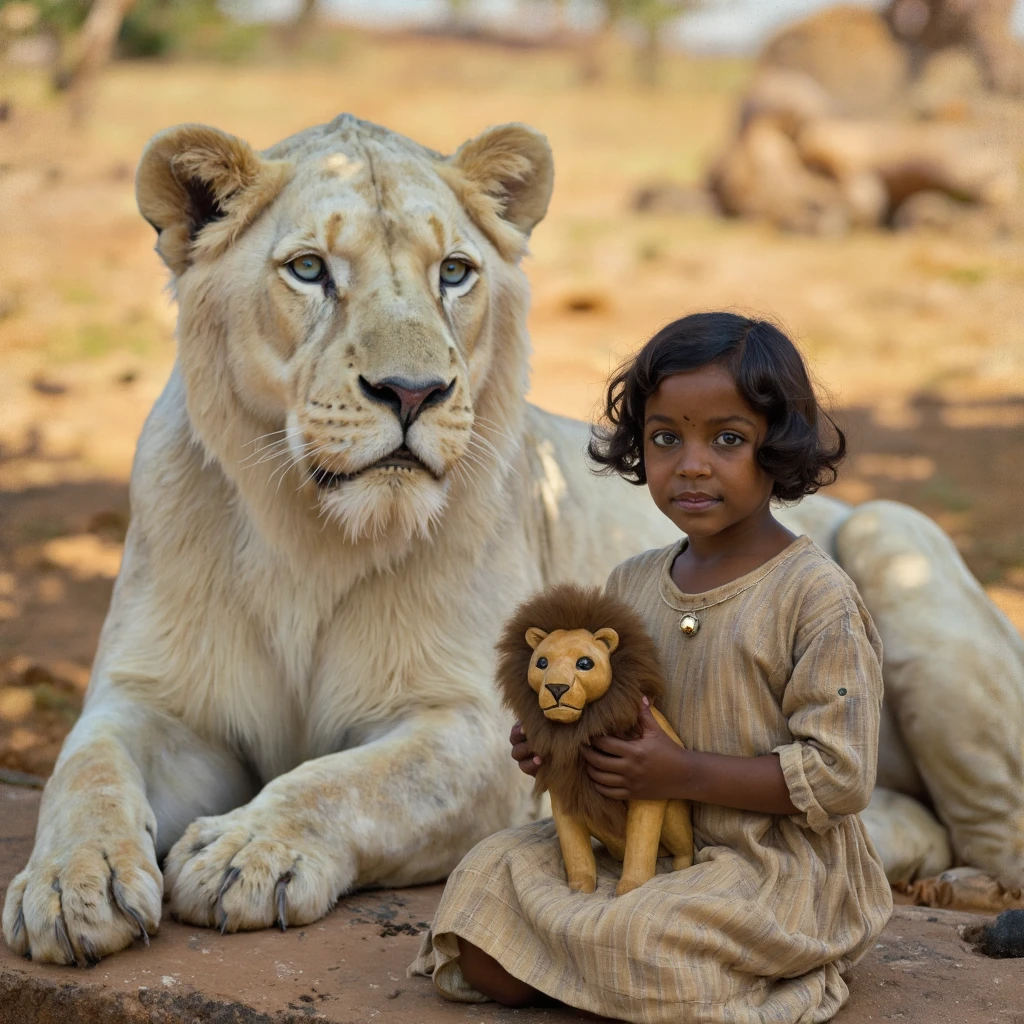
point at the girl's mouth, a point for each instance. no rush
(694, 501)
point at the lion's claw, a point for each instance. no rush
(250, 872)
(231, 875)
(78, 906)
(119, 898)
(281, 894)
(60, 931)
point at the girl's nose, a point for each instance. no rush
(693, 462)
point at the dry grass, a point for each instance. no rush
(919, 341)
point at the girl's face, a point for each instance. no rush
(700, 440)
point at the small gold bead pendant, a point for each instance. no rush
(689, 624)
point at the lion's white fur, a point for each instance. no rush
(292, 694)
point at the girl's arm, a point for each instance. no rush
(832, 704)
(654, 767)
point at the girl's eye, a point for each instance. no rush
(454, 272)
(729, 439)
(585, 664)
(308, 268)
(542, 663)
(663, 439)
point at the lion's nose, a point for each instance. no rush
(557, 689)
(408, 398)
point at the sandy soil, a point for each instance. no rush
(350, 966)
(918, 339)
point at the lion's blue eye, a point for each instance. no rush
(308, 268)
(585, 664)
(454, 272)
(542, 663)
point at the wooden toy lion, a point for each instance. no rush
(573, 665)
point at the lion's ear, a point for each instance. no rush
(534, 636)
(608, 637)
(200, 188)
(504, 178)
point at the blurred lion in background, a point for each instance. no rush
(859, 119)
(336, 501)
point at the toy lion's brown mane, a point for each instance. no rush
(636, 673)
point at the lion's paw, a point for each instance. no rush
(76, 906)
(242, 871)
(583, 883)
(627, 885)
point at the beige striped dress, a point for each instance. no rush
(776, 909)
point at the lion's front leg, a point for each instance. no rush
(92, 885)
(400, 810)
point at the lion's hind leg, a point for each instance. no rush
(954, 676)
(643, 835)
(677, 834)
(677, 830)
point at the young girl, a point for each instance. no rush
(775, 689)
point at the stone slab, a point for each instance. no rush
(350, 967)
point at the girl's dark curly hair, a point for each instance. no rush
(802, 446)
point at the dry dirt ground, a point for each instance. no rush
(350, 967)
(919, 340)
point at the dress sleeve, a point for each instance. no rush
(833, 703)
(614, 585)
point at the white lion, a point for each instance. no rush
(335, 502)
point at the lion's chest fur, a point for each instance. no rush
(286, 655)
(300, 677)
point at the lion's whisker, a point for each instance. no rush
(298, 456)
(282, 447)
(270, 433)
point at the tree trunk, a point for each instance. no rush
(307, 13)
(983, 26)
(90, 51)
(647, 58)
(1000, 53)
(599, 45)
(302, 25)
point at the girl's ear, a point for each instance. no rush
(534, 636)
(608, 637)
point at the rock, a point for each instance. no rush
(1003, 938)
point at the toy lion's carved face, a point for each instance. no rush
(569, 669)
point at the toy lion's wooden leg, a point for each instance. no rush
(616, 847)
(643, 836)
(577, 852)
(677, 833)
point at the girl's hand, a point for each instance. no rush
(521, 752)
(652, 767)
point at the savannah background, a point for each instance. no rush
(917, 337)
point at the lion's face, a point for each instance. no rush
(569, 669)
(355, 300)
